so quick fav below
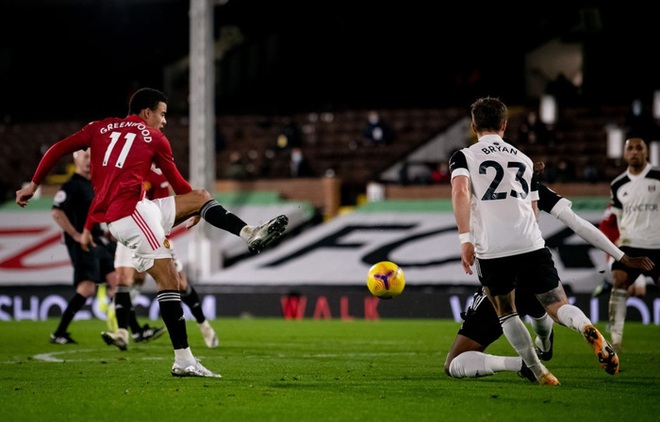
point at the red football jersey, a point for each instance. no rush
(608, 225)
(122, 152)
(156, 185)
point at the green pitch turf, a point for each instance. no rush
(313, 370)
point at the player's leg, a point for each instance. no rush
(201, 203)
(152, 254)
(86, 274)
(518, 336)
(466, 357)
(541, 277)
(541, 322)
(638, 288)
(605, 286)
(545, 336)
(122, 303)
(190, 297)
(618, 307)
(141, 333)
(84, 289)
(169, 299)
(106, 258)
(498, 276)
(571, 316)
(130, 277)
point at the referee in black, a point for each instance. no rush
(70, 207)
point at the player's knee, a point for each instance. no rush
(202, 196)
(448, 365)
(86, 288)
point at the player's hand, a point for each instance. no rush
(24, 195)
(192, 221)
(467, 257)
(641, 262)
(86, 241)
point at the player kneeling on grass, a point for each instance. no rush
(481, 326)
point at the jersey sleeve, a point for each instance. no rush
(589, 232)
(164, 160)
(550, 201)
(66, 146)
(458, 165)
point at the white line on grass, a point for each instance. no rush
(52, 356)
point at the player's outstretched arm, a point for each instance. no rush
(595, 237)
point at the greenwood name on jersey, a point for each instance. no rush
(122, 153)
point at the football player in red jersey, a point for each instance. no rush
(122, 152)
(130, 283)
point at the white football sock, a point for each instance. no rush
(245, 233)
(516, 332)
(572, 317)
(184, 356)
(617, 315)
(475, 364)
(543, 328)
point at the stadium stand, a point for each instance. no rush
(331, 142)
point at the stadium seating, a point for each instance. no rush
(332, 143)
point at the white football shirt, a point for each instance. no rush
(502, 221)
(636, 204)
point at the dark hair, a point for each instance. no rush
(488, 114)
(145, 98)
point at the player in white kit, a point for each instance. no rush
(635, 202)
(495, 205)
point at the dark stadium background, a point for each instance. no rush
(57, 57)
(71, 61)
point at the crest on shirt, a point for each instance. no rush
(166, 243)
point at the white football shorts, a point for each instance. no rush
(124, 257)
(145, 231)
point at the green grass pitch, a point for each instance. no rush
(313, 370)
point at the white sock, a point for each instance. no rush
(135, 292)
(475, 364)
(246, 232)
(184, 356)
(516, 332)
(123, 333)
(543, 328)
(618, 309)
(638, 288)
(572, 317)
